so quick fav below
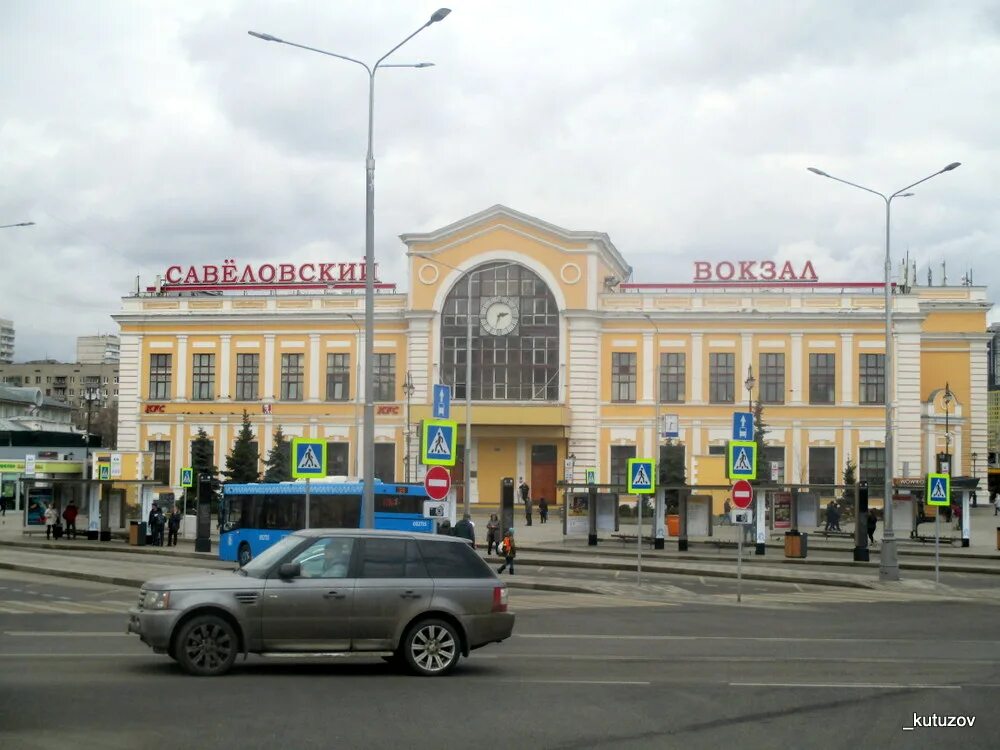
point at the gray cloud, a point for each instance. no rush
(143, 134)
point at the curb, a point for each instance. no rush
(88, 546)
(708, 573)
(75, 574)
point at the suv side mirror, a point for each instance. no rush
(289, 570)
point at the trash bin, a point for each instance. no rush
(137, 533)
(796, 544)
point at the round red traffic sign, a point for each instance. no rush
(742, 494)
(437, 482)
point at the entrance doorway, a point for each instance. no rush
(543, 473)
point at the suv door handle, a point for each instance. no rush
(334, 595)
(410, 595)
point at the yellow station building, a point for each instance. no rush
(570, 356)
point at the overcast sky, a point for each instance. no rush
(138, 135)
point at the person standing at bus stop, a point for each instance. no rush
(173, 526)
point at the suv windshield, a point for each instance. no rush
(258, 567)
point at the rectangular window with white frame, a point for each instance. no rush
(202, 377)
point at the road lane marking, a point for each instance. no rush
(840, 685)
(65, 633)
(76, 656)
(765, 639)
(577, 682)
(677, 658)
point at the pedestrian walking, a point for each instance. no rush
(995, 499)
(831, 516)
(543, 510)
(444, 528)
(173, 526)
(509, 551)
(524, 491)
(156, 523)
(69, 516)
(872, 523)
(493, 534)
(465, 529)
(51, 520)
(727, 509)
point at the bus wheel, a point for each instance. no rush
(244, 555)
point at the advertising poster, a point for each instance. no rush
(782, 510)
(38, 499)
(577, 517)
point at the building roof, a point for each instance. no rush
(32, 397)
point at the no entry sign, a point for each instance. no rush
(742, 494)
(437, 482)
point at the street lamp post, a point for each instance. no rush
(408, 389)
(948, 398)
(889, 563)
(369, 421)
(88, 396)
(749, 383)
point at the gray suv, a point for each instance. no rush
(413, 599)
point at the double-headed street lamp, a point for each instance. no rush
(889, 564)
(369, 419)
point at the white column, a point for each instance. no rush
(648, 367)
(847, 368)
(180, 392)
(178, 451)
(697, 369)
(133, 371)
(313, 378)
(796, 457)
(798, 397)
(225, 390)
(760, 517)
(845, 449)
(269, 394)
(222, 443)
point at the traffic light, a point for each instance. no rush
(862, 497)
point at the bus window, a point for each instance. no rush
(335, 511)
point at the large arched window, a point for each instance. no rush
(515, 335)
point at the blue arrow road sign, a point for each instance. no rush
(742, 425)
(442, 401)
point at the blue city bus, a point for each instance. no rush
(255, 516)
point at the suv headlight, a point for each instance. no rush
(156, 600)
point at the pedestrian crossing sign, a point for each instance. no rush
(308, 458)
(742, 462)
(591, 476)
(641, 480)
(437, 444)
(187, 476)
(104, 471)
(939, 489)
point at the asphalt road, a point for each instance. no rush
(581, 672)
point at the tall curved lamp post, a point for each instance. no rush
(369, 418)
(889, 564)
